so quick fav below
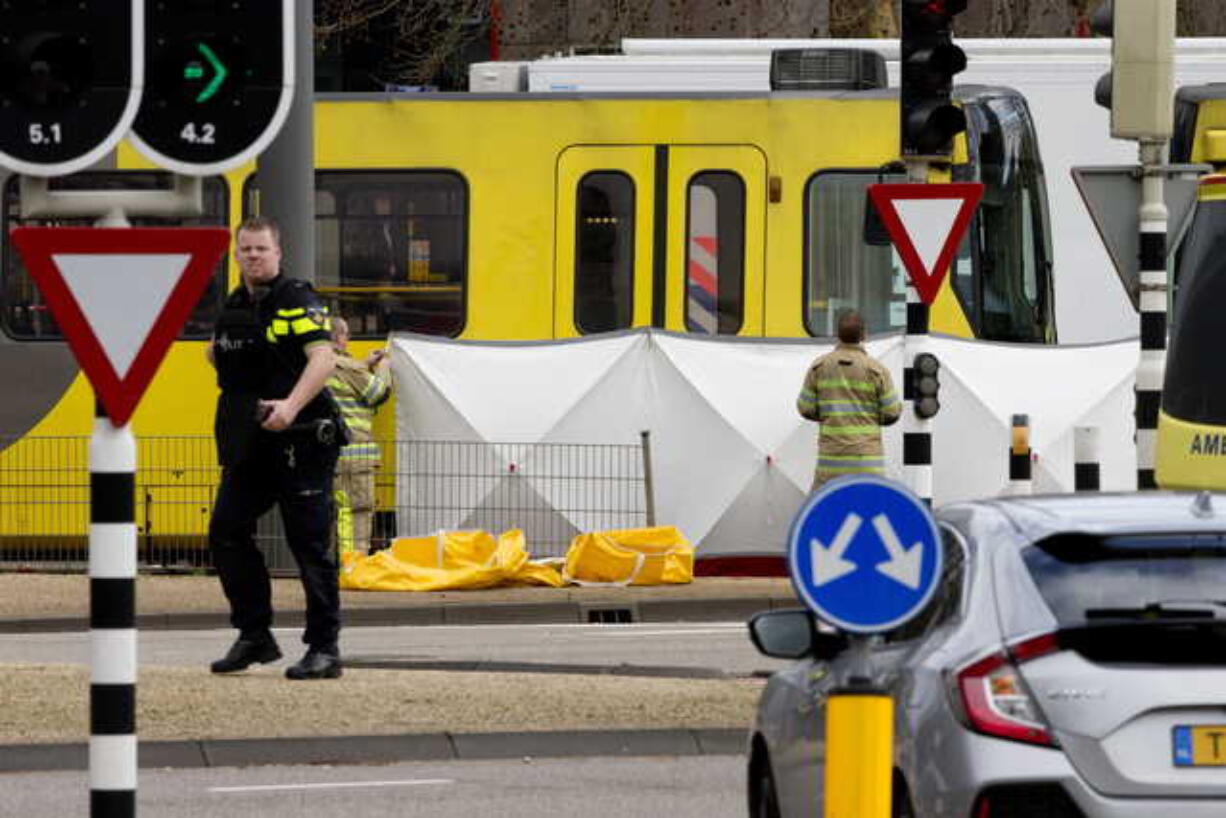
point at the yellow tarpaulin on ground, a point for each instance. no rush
(632, 556)
(458, 560)
(449, 560)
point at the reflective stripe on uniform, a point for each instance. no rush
(849, 431)
(376, 392)
(303, 326)
(834, 407)
(360, 451)
(344, 522)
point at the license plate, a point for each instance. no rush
(1201, 745)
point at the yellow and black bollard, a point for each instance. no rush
(859, 742)
(859, 754)
(1019, 456)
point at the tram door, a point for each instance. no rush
(669, 236)
(603, 239)
(716, 239)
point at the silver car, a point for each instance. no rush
(1072, 664)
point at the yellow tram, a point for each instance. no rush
(537, 216)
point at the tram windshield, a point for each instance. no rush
(1002, 274)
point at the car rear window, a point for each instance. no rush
(1088, 580)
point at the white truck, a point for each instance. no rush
(1057, 77)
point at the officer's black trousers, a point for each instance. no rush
(293, 471)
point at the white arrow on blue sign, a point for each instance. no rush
(864, 554)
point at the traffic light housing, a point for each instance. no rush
(218, 81)
(929, 61)
(1139, 90)
(925, 385)
(70, 76)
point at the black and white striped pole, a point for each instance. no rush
(1151, 370)
(112, 609)
(917, 424)
(1139, 90)
(112, 620)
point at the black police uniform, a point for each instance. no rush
(259, 347)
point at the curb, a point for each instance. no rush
(389, 749)
(494, 613)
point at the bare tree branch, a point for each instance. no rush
(416, 38)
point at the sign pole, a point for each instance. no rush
(1151, 369)
(859, 742)
(916, 430)
(112, 609)
(859, 753)
(112, 619)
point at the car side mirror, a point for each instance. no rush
(793, 634)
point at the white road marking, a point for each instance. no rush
(612, 630)
(608, 627)
(337, 785)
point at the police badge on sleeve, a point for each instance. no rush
(318, 316)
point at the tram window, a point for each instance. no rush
(23, 312)
(604, 252)
(390, 248)
(715, 254)
(841, 271)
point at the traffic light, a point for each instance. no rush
(929, 61)
(218, 81)
(925, 385)
(69, 81)
(1140, 87)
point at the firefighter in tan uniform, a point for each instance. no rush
(852, 396)
(359, 388)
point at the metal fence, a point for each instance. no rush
(550, 490)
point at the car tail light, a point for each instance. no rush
(995, 699)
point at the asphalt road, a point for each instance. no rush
(698, 787)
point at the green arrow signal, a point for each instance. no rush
(219, 73)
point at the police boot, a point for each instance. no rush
(317, 664)
(246, 651)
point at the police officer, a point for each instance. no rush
(852, 396)
(277, 442)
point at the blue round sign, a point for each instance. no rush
(864, 554)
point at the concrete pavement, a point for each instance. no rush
(47, 602)
(188, 717)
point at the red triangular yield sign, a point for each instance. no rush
(926, 223)
(120, 296)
